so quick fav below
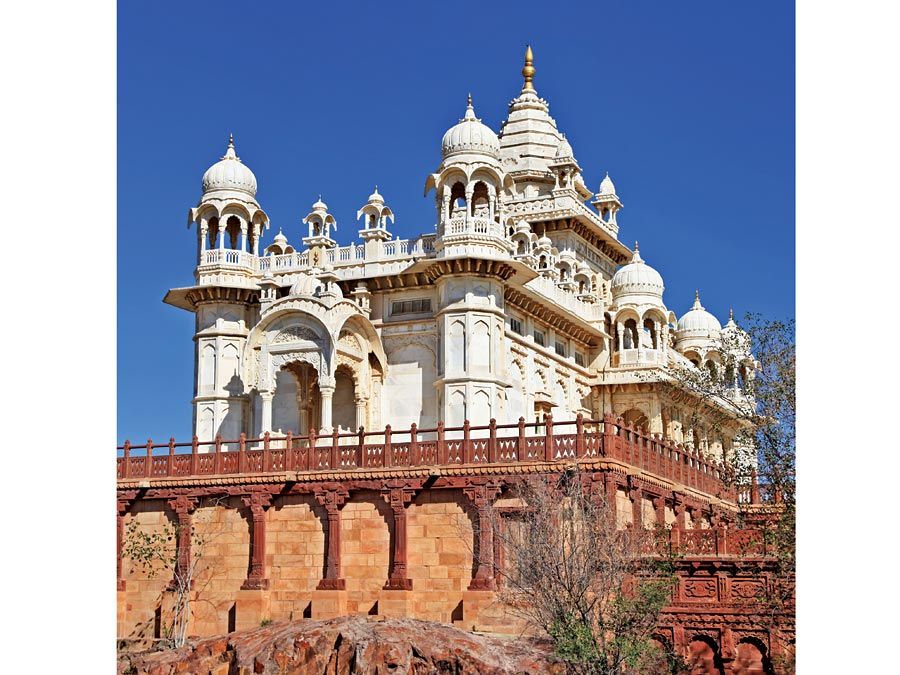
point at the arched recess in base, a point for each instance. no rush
(752, 658)
(704, 657)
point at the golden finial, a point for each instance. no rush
(528, 70)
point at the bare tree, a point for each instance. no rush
(595, 589)
(156, 552)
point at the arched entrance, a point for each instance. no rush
(296, 403)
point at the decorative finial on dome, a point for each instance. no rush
(470, 110)
(697, 304)
(528, 69)
(636, 245)
(229, 152)
(731, 313)
(636, 256)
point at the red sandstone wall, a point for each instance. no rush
(143, 589)
(365, 549)
(222, 567)
(295, 554)
(439, 536)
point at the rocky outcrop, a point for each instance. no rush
(348, 645)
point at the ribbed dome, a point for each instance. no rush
(698, 322)
(637, 278)
(280, 239)
(306, 285)
(470, 135)
(229, 173)
(607, 187)
(376, 197)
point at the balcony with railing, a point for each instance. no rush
(546, 286)
(638, 357)
(466, 446)
(460, 226)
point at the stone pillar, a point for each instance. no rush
(659, 504)
(266, 422)
(635, 494)
(201, 245)
(361, 413)
(257, 233)
(470, 190)
(397, 499)
(326, 392)
(620, 331)
(332, 501)
(243, 236)
(258, 503)
(482, 497)
(183, 507)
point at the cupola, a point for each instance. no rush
(637, 283)
(229, 174)
(470, 136)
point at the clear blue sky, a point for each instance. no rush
(689, 106)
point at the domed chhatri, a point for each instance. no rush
(697, 322)
(607, 187)
(637, 282)
(470, 136)
(229, 173)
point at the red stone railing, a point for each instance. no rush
(547, 441)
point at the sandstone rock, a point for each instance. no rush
(348, 645)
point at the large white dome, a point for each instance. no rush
(698, 323)
(229, 173)
(470, 136)
(636, 281)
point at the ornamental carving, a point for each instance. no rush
(393, 343)
(700, 589)
(350, 342)
(295, 334)
(747, 590)
(312, 358)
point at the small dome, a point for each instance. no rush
(280, 239)
(376, 197)
(637, 278)
(229, 173)
(544, 242)
(738, 337)
(698, 322)
(607, 187)
(319, 205)
(470, 135)
(306, 285)
(565, 150)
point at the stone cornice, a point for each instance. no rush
(189, 298)
(537, 305)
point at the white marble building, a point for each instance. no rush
(519, 301)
